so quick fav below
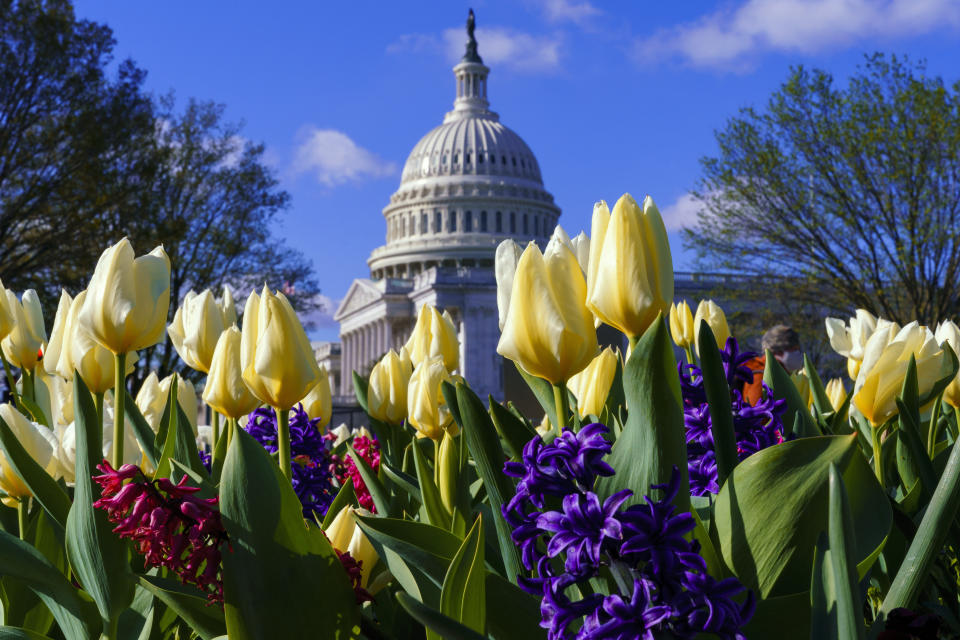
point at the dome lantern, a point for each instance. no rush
(471, 75)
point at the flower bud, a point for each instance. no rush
(581, 248)
(949, 333)
(38, 441)
(23, 344)
(836, 393)
(711, 313)
(592, 385)
(548, 331)
(225, 391)
(681, 325)
(6, 314)
(55, 346)
(802, 383)
(426, 407)
(196, 327)
(630, 276)
(505, 266)
(449, 471)
(387, 391)
(127, 299)
(151, 400)
(434, 335)
(319, 403)
(278, 363)
(345, 535)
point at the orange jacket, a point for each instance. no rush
(753, 391)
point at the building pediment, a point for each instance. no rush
(362, 293)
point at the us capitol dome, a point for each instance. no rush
(466, 186)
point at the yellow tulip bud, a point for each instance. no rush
(28, 336)
(228, 307)
(127, 299)
(449, 471)
(592, 385)
(885, 366)
(152, 397)
(387, 391)
(225, 391)
(548, 331)
(836, 393)
(681, 325)
(55, 346)
(319, 403)
(6, 314)
(949, 333)
(345, 535)
(630, 276)
(426, 407)
(802, 383)
(196, 327)
(278, 363)
(434, 335)
(505, 266)
(711, 313)
(38, 441)
(581, 248)
(853, 368)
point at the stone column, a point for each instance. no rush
(344, 363)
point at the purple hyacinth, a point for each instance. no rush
(757, 427)
(313, 477)
(658, 582)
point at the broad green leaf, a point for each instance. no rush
(205, 619)
(360, 389)
(432, 504)
(441, 625)
(186, 451)
(167, 434)
(772, 508)
(379, 493)
(141, 430)
(23, 562)
(99, 559)
(402, 480)
(817, 391)
(16, 633)
(346, 496)
(281, 576)
(718, 398)
(781, 618)
(484, 445)
(543, 391)
(653, 441)
(515, 432)
(463, 594)
(45, 489)
(33, 410)
(137, 622)
(777, 378)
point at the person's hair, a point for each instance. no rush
(780, 338)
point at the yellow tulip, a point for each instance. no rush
(127, 299)
(66, 447)
(711, 313)
(23, 344)
(434, 335)
(228, 307)
(319, 403)
(197, 326)
(681, 325)
(592, 385)
(78, 351)
(881, 376)
(6, 314)
(850, 340)
(225, 391)
(38, 441)
(387, 391)
(836, 393)
(346, 536)
(505, 266)
(152, 399)
(802, 383)
(581, 248)
(949, 333)
(548, 331)
(55, 346)
(426, 408)
(630, 275)
(278, 363)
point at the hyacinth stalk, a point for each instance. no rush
(119, 408)
(283, 443)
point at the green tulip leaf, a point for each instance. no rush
(514, 432)
(818, 393)
(188, 603)
(463, 595)
(141, 430)
(772, 508)
(542, 391)
(345, 497)
(379, 493)
(16, 633)
(432, 504)
(137, 622)
(440, 625)
(777, 378)
(99, 559)
(402, 480)
(782, 617)
(280, 575)
(45, 489)
(653, 441)
(718, 398)
(360, 385)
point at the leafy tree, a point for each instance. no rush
(75, 144)
(841, 197)
(212, 204)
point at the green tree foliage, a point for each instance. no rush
(850, 194)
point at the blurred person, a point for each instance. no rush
(784, 343)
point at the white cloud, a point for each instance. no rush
(577, 12)
(681, 213)
(504, 47)
(732, 37)
(334, 158)
(322, 318)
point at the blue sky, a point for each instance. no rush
(612, 97)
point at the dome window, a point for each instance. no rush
(423, 223)
(466, 157)
(498, 222)
(451, 222)
(525, 226)
(536, 225)
(468, 221)
(456, 158)
(513, 222)
(493, 158)
(437, 222)
(503, 160)
(483, 220)
(514, 158)
(480, 158)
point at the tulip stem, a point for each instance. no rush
(98, 404)
(283, 442)
(877, 453)
(22, 517)
(560, 400)
(436, 462)
(119, 407)
(28, 391)
(231, 427)
(216, 430)
(11, 384)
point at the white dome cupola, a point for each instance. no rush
(466, 186)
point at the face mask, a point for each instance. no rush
(792, 360)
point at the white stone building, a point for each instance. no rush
(469, 184)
